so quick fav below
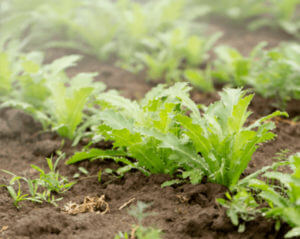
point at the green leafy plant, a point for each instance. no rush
(42, 188)
(17, 196)
(280, 191)
(241, 208)
(281, 14)
(277, 73)
(225, 145)
(10, 65)
(139, 231)
(165, 55)
(128, 123)
(283, 199)
(45, 92)
(163, 138)
(231, 66)
(272, 73)
(5, 75)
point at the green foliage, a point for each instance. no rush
(45, 92)
(42, 188)
(226, 146)
(17, 196)
(231, 66)
(201, 80)
(160, 135)
(277, 73)
(138, 35)
(123, 23)
(166, 54)
(281, 192)
(274, 73)
(283, 200)
(242, 206)
(139, 231)
(133, 128)
(5, 75)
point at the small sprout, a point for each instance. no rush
(40, 189)
(139, 231)
(83, 170)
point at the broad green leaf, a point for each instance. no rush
(94, 154)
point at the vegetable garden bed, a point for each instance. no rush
(181, 211)
(185, 211)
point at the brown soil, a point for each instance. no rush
(182, 212)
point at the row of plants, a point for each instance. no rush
(103, 28)
(146, 37)
(166, 132)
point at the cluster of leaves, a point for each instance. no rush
(123, 23)
(166, 133)
(139, 231)
(281, 192)
(41, 89)
(282, 14)
(173, 55)
(139, 35)
(41, 189)
(146, 36)
(272, 73)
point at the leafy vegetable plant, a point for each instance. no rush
(280, 191)
(163, 138)
(225, 145)
(166, 54)
(45, 92)
(283, 200)
(272, 73)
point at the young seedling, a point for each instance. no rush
(139, 231)
(17, 196)
(42, 188)
(242, 208)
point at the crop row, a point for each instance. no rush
(165, 132)
(164, 39)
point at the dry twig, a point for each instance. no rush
(127, 203)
